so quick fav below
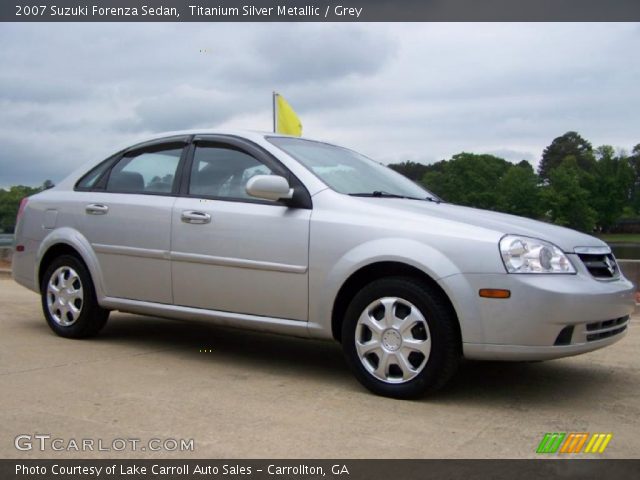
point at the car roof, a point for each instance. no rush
(248, 134)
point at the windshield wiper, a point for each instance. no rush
(378, 193)
(383, 194)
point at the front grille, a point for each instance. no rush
(600, 265)
(606, 328)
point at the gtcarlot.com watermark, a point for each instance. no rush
(45, 442)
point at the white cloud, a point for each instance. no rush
(73, 92)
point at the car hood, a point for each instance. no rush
(501, 223)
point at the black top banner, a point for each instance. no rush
(320, 11)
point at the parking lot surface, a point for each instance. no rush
(241, 394)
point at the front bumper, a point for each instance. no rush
(528, 325)
(485, 351)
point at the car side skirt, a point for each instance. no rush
(281, 326)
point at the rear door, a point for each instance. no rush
(231, 252)
(128, 221)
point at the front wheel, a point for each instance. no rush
(69, 300)
(400, 338)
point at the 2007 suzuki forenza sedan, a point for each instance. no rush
(301, 237)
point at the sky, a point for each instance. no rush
(75, 93)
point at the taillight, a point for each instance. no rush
(23, 204)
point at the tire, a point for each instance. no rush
(69, 299)
(409, 323)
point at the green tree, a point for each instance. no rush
(634, 163)
(468, 179)
(571, 144)
(9, 204)
(518, 191)
(611, 187)
(412, 170)
(567, 202)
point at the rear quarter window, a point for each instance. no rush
(90, 179)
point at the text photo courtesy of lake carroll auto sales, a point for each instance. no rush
(172, 470)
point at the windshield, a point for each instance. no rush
(348, 172)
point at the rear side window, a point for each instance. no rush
(148, 172)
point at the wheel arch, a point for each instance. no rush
(54, 252)
(375, 271)
(67, 241)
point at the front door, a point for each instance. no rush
(231, 252)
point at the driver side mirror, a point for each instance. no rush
(269, 187)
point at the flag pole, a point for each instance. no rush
(273, 99)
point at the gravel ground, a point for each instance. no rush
(260, 396)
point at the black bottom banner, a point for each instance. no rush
(315, 469)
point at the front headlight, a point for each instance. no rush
(530, 255)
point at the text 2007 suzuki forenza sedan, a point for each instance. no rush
(300, 237)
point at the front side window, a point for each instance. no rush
(349, 172)
(222, 172)
(148, 172)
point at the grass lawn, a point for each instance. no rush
(620, 237)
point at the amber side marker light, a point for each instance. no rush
(494, 293)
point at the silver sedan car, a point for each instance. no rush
(300, 237)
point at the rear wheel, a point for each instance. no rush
(400, 338)
(69, 300)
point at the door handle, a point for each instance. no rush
(194, 217)
(96, 209)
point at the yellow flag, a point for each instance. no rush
(287, 121)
